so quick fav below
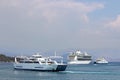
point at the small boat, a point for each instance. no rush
(38, 63)
(101, 61)
(79, 58)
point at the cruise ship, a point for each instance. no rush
(79, 58)
(39, 63)
(101, 61)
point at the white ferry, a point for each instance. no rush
(101, 61)
(79, 58)
(37, 62)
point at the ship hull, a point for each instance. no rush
(79, 62)
(100, 62)
(39, 67)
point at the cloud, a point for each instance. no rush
(47, 24)
(51, 10)
(54, 9)
(114, 24)
(9, 3)
(33, 25)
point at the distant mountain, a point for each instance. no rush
(4, 58)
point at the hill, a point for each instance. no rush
(4, 58)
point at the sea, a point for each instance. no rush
(110, 71)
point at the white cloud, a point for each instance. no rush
(115, 24)
(12, 3)
(51, 10)
(30, 28)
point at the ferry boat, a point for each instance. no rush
(101, 61)
(79, 58)
(39, 63)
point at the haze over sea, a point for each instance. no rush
(109, 71)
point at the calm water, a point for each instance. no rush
(109, 71)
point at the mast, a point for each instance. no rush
(16, 60)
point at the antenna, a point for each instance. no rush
(55, 53)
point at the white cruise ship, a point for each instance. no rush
(37, 62)
(101, 61)
(79, 58)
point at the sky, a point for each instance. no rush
(29, 26)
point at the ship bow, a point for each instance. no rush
(61, 67)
